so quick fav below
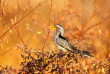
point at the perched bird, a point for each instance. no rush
(63, 44)
(60, 41)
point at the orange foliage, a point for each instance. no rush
(24, 28)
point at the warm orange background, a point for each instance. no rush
(71, 14)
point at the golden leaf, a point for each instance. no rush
(2, 45)
(38, 32)
(10, 31)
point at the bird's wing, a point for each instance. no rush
(63, 43)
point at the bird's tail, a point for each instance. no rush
(84, 53)
(81, 52)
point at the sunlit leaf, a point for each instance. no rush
(1, 45)
(15, 19)
(12, 21)
(15, 48)
(39, 32)
(10, 31)
(100, 31)
(28, 25)
(103, 70)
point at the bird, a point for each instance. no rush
(63, 44)
(60, 41)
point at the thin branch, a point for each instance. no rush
(48, 29)
(0, 8)
(20, 37)
(63, 9)
(50, 12)
(7, 10)
(91, 17)
(22, 18)
(5, 52)
(100, 22)
(46, 40)
(18, 6)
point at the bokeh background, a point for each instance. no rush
(86, 24)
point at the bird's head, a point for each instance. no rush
(58, 27)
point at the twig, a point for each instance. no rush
(22, 18)
(46, 40)
(90, 18)
(102, 66)
(48, 29)
(7, 10)
(0, 8)
(50, 12)
(20, 37)
(18, 6)
(54, 57)
(100, 22)
(5, 52)
(63, 10)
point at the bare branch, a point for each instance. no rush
(90, 18)
(22, 19)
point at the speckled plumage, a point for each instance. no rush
(60, 41)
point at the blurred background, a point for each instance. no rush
(86, 24)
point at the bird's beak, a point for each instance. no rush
(52, 27)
